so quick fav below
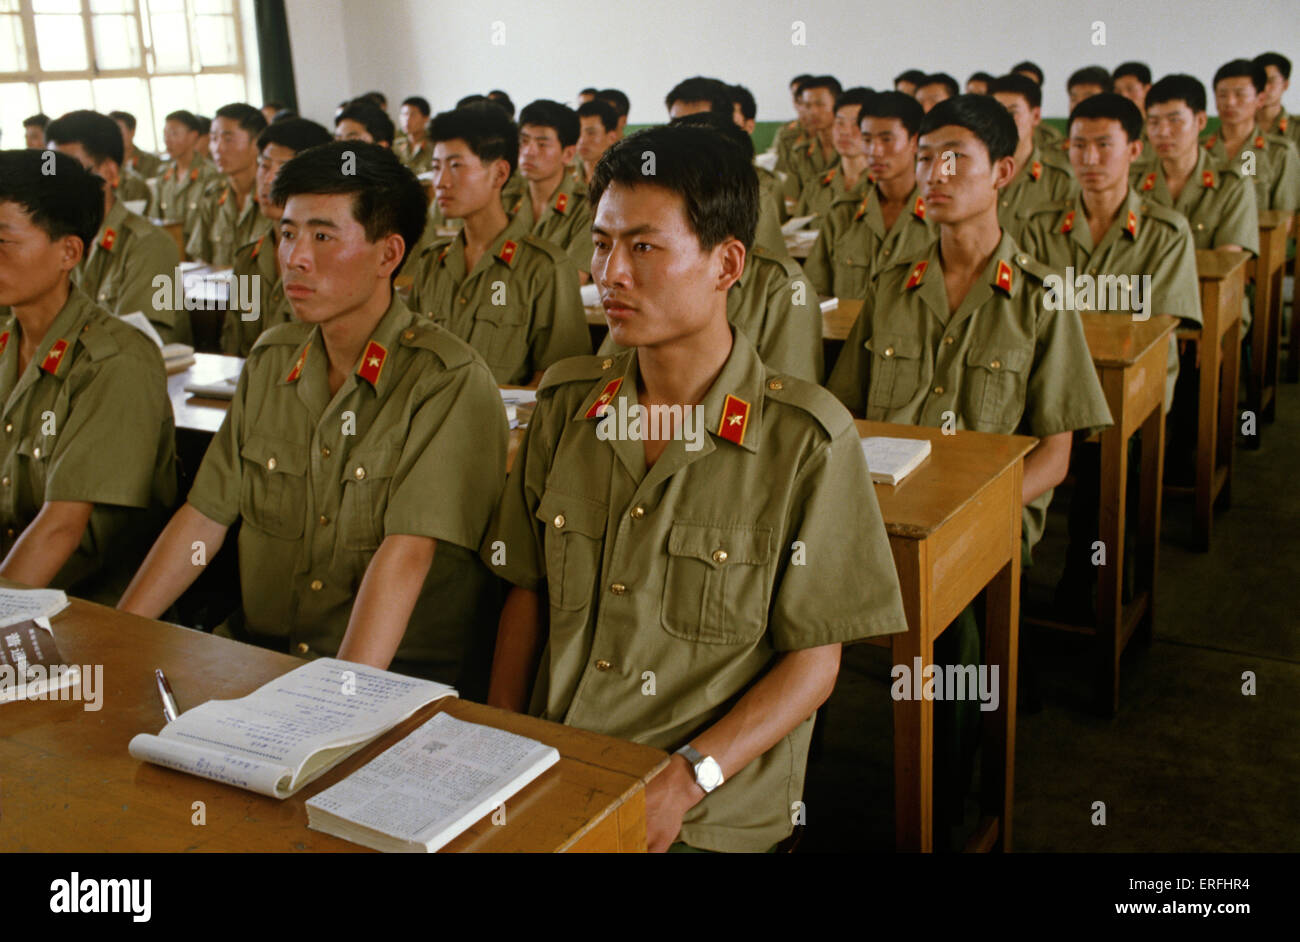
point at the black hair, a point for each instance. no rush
(1028, 66)
(274, 105)
(1277, 60)
(714, 177)
(125, 117)
(724, 125)
(600, 109)
(829, 82)
(1242, 68)
(419, 103)
(205, 124)
(502, 100)
(616, 99)
(717, 93)
(588, 91)
(485, 127)
(740, 95)
(1112, 106)
(1185, 88)
(187, 118)
(1013, 83)
(98, 135)
(983, 117)
(914, 76)
(1091, 75)
(898, 105)
(1139, 70)
(367, 114)
(283, 115)
(979, 77)
(245, 115)
(67, 202)
(941, 78)
(40, 120)
(799, 79)
(858, 95)
(562, 119)
(477, 100)
(386, 196)
(379, 98)
(295, 133)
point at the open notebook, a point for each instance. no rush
(891, 459)
(290, 730)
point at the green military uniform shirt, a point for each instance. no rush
(1038, 183)
(1285, 125)
(771, 203)
(1003, 362)
(774, 306)
(820, 194)
(1048, 139)
(565, 220)
(417, 161)
(701, 568)
(147, 165)
(131, 188)
(221, 226)
(520, 307)
(176, 197)
(1276, 163)
(238, 333)
(1217, 202)
(1145, 239)
(786, 140)
(119, 272)
(853, 243)
(413, 442)
(807, 164)
(88, 420)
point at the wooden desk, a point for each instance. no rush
(954, 529)
(195, 414)
(210, 287)
(1131, 362)
(1223, 284)
(71, 786)
(1266, 329)
(1293, 344)
(799, 249)
(174, 229)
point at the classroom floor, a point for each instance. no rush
(1189, 763)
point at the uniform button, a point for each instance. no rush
(889, 351)
(9, 427)
(324, 520)
(775, 384)
(10, 533)
(462, 300)
(317, 585)
(36, 452)
(938, 390)
(720, 556)
(996, 364)
(85, 327)
(1092, 271)
(408, 335)
(618, 588)
(1200, 225)
(302, 647)
(1021, 259)
(360, 473)
(948, 339)
(325, 452)
(606, 363)
(603, 665)
(638, 513)
(270, 464)
(887, 251)
(5, 480)
(1004, 202)
(558, 521)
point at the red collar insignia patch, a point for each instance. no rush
(1036, 170)
(372, 362)
(507, 253)
(1131, 224)
(734, 421)
(1068, 224)
(297, 367)
(917, 274)
(1004, 278)
(52, 359)
(606, 395)
(918, 208)
(1149, 183)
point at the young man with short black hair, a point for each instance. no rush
(597, 133)
(693, 95)
(1046, 137)
(185, 176)
(849, 178)
(555, 205)
(362, 120)
(513, 297)
(699, 580)
(1039, 179)
(118, 269)
(816, 154)
(34, 131)
(1086, 82)
(88, 451)
(1133, 81)
(907, 81)
(1270, 114)
(362, 451)
(1271, 158)
(142, 162)
(978, 83)
(619, 101)
(414, 150)
(936, 88)
(227, 214)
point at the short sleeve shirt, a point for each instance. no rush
(1218, 203)
(766, 538)
(241, 328)
(176, 198)
(221, 226)
(565, 221)
(1276, 167)
(854, 244)
(1038, 183)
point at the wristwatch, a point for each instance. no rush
(708, 774)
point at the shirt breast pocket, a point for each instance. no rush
(896, 369)
(997, 375)
(273, 492)
(575, 538)
(501, 330)
(717, 583)
(366, 482)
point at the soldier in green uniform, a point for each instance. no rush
(277, 145)
(849, 180)
(119, 270)
(555, 207)
(185, 177)
(961, 335)
(147, 165)
(816, 155)
(940, 86)
(597, 133)
(1133, 81)
(620, 103)
(363, 450)
(785, 139)
(1037, 181)
(1270, 158)
(907, 81)
(34, 130)
(1047, 138)
(726, 565)
(415, 150)
(87, 448)
(1270, 115)
(887, 224)
(361, 120)
(512, 296)
(227, 215)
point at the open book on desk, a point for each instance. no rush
(891, 459)
(290, 730)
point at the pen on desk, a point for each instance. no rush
(165, 691)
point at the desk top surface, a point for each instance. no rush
(1121, 341)
(1214, 264)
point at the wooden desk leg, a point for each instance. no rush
(1148, 546)
(1207, 427)
(1227, 438)
(1274, 336)
(913, 719)
(1110, 577)
(1260, 331)
(1002, 647)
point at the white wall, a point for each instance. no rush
(552, 48)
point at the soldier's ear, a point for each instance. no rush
(394, 247)
(1202, 119)
(731, 256)
(74, 250)
(1003, 170)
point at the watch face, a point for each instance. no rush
(708, 774)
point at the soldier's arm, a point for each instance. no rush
(520, 638)
(175, 560)
(48, 541)
(386, 598)
(798, 683)
(1045, 466)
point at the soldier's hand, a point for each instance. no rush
(668, 797)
